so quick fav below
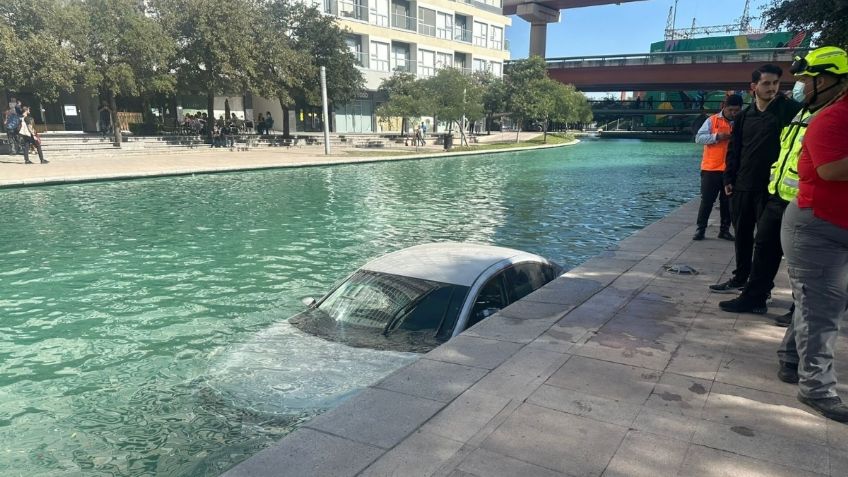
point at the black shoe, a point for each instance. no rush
(725, 234)
(831, 408)
(784, 320)
(45, 161)
(743, 304)
(730, 286)
(699, 235)
(27, 162)
(788, 372)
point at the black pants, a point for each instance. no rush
(26, 141)
(767, 250)
(746, 207)
(712, 186)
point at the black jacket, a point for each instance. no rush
(755, 143)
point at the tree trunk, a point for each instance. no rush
(286, 122)
(517, 132)
(545, 134)
(116, 127)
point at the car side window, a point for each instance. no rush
(490, 300)
(523, 279)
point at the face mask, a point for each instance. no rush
(798, 93)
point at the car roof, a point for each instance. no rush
(447, 262)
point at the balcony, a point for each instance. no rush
(462, 34)
(403, 22)
(426, 29)
(404, 66)
(360, 59)
(425, 71)
(377, 64)
(480, 41)
(378, 19)
(352, 11)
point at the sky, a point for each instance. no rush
(625, 28)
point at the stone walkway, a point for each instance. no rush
(618, 368)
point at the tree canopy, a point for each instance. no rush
(827, 18)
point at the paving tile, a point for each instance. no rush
(695, 361)
(485, 463)
(557, 341)
(647, 330)
(702, 461)
(519, 376)
(764, 411)
(646, 455)
(466, 415)
(671, 425)
(377, 417)
(585, 405)
(756, 336)
(531, 310)
(837, 433)
(508, 328)
(679, 394)
(762, 445)
(474, 351)
(431, 379)
(624, 349)
(753, 372)
(556, 440)
(715, 339)
(565, 290)
(309, 452)
(421, 454)
(605, 379)
(838, 462)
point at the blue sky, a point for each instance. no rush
(625, 28)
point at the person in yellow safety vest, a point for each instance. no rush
(714, 134)
(782, 188)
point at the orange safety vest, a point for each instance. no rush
(714, 154)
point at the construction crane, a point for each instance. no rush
(742, 27)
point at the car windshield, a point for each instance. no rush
(384, 311)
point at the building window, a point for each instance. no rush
(354, 44)
(496, 69)
(379, 56)
(426, 21)
(496, 37)
(480, 34)
(426, 63)
(444, 26)
(379, 13)
(444, 60)
(400, 58)
(478, 65)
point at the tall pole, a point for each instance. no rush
(324, 110)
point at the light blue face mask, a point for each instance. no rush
(798, 93)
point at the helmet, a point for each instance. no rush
(828, 59)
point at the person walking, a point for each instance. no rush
(754, 147)
(715, 136)
(782, 188)
(815, 237)
(28, 137)
(12, 123)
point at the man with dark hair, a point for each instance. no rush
(715, 136)
(754, 147)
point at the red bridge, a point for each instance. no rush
(669, 71)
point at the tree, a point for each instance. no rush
(32, 52)
(319, 37)
(828, 18)
(494, 96)
(454, 96)
(120, 50)
(406, 98)
(525, 88)
(217, 45)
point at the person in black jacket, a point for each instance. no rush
(754, 146)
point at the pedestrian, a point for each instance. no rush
(782, 188)
(650, 102)
(269, 122)
(754, 147)
(715, 136)
(638, 103)
(260, 124)
(815, 237)
(105, 115)
(11, 124)
(29, 138)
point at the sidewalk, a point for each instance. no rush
(14, 173)
(618, 368)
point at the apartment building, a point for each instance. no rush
(417, 36)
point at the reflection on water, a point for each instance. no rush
(122, 303)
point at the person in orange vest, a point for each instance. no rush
(715, 136)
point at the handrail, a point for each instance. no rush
(678, 53)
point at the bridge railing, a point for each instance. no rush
(694, 105)
(759, 55)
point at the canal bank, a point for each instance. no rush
(619, 367)
(13, 173)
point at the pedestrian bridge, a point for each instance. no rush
(669, 71)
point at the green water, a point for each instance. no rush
(118, 298)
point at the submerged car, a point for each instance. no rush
(375, 321)
(417, 298)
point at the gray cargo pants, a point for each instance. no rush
(817, 258)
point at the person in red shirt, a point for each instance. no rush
(815, 234)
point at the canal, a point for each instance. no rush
(119, 300)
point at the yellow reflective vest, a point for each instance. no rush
(784, 172)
